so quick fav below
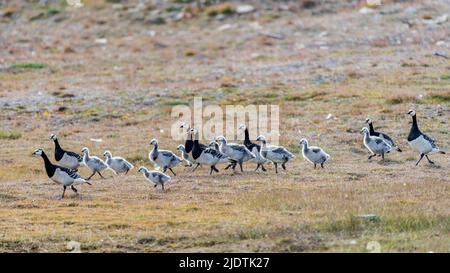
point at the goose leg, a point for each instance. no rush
(170, 169)
(100, 175)
(198, 164)
(370, 156)
(284, 166)
(321, 165)
(262, 168)
(257, 167)
(431, 162)
(314, 166)
(162, 185)
(421, 156)
(229, 165)
(240, 165)
(382, 156)
(90, 176)
(215, 169)
(164, 169)
(276, 167)
(210, 172)
(64, 191)
(73, 189)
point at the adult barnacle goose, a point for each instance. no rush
(61, 175)
(236, 152)
(163, 158)
(207, 156)
(158, 178)
(314, 154)
(276, 154)
(254, 148)
(94, 163)
(385, 137)
(116, 163)
(65, 158)
(375, 145)
(420, 142)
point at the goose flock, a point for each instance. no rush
(219, 151)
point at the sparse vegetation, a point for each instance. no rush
(116, 92)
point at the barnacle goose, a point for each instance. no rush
(384, 136)
(61, 175)
(65, 158)
(420, 142)
(375, 145)
(254, 148)
(236, 152)
(276, 154)
(94, 163)
(117, 164)
(157, 178)
(207, 156)
(313, 154)
(163, 158)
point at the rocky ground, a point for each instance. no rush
(113, 70)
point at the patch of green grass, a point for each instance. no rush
(10, 135)
(28, 66)
(304, 96)
(445, 77)
(173, 103)
(414, 223)
(441, 97)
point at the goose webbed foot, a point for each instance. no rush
(215, 169)
(283, 166)
(101, 175)
(431, 162)
(257, 167)
(74, 189)
(321, 165)
(262, 168)
(198, 164)
(370, 156)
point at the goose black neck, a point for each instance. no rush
(247, 137)
(49, 167)
(414, 125)
(371, 130)
(188, 144)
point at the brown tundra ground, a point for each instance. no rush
(105, 71)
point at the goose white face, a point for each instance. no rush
(37, 152)
(141, 169)
(242, 127)
(364, 131)
(303, 141)
(368, 121)
(411, 113)
(85, 150)
(107, 154)
(261, 138)
(221, 139)
(153, 142)
(53, 137)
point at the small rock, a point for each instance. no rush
(101, 41)
(365, 10)
(369, 217)
(245, 9)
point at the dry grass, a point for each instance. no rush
(124, 97)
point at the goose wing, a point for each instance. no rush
(73, 174)
(430, 140)
(77, 156)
